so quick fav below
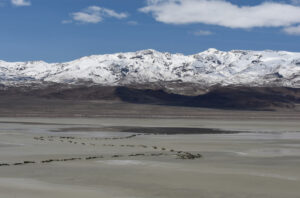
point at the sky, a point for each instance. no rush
(64, 30)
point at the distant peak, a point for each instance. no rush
(147, 51)
(212, 50)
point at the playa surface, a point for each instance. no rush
(146, 158)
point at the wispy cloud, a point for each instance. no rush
(94, 14)
(21, 2)
(66, 21)
(223, 13)
(293, 30)
(132, 23)
(202, 33)
(90, 15)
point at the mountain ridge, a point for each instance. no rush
(208, 68)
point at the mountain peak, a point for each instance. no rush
(212, 50)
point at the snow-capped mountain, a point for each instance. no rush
(238, 67)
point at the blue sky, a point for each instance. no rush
(63, 30)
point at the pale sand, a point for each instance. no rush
(264, 164)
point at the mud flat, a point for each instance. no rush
(145, 158)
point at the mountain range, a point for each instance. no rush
(238, 79)
(208, 68)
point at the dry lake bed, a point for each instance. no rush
(148, 158)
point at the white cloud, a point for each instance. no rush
(223, 13)
(89, 15)
(202, 33)
(293, 30)
(112, 13)
(95, 14)
(21, 2)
